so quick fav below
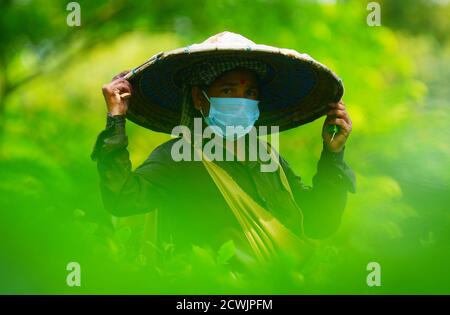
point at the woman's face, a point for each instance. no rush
(240, 83)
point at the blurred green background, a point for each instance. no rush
(51, 109)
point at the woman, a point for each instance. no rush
(226, 81)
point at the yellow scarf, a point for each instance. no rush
(267, 236)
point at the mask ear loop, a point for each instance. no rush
(204, 93)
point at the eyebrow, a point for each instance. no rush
(253, 86)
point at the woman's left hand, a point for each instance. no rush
(337, 115)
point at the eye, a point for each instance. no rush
(226, 91)
(252, 93)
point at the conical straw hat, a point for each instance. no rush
(295, 91)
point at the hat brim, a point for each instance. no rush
(298, 92)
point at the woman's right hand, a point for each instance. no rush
(117, 104)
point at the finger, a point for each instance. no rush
(332, 105)
(125, 95)
(120, 75)
(336, 106)
(345, 128)
(128, 84)
(122, 80)
(122, 86)
(340, 106)
(117, 91)
(339, 113)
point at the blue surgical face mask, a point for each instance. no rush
(240, 113)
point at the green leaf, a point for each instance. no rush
(203, 257)
(225, 252)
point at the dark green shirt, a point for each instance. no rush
(191, 209)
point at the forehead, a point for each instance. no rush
(242, 76)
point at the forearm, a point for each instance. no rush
(111, 154)
(123, 191)
(324, 203)
(322, 208)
